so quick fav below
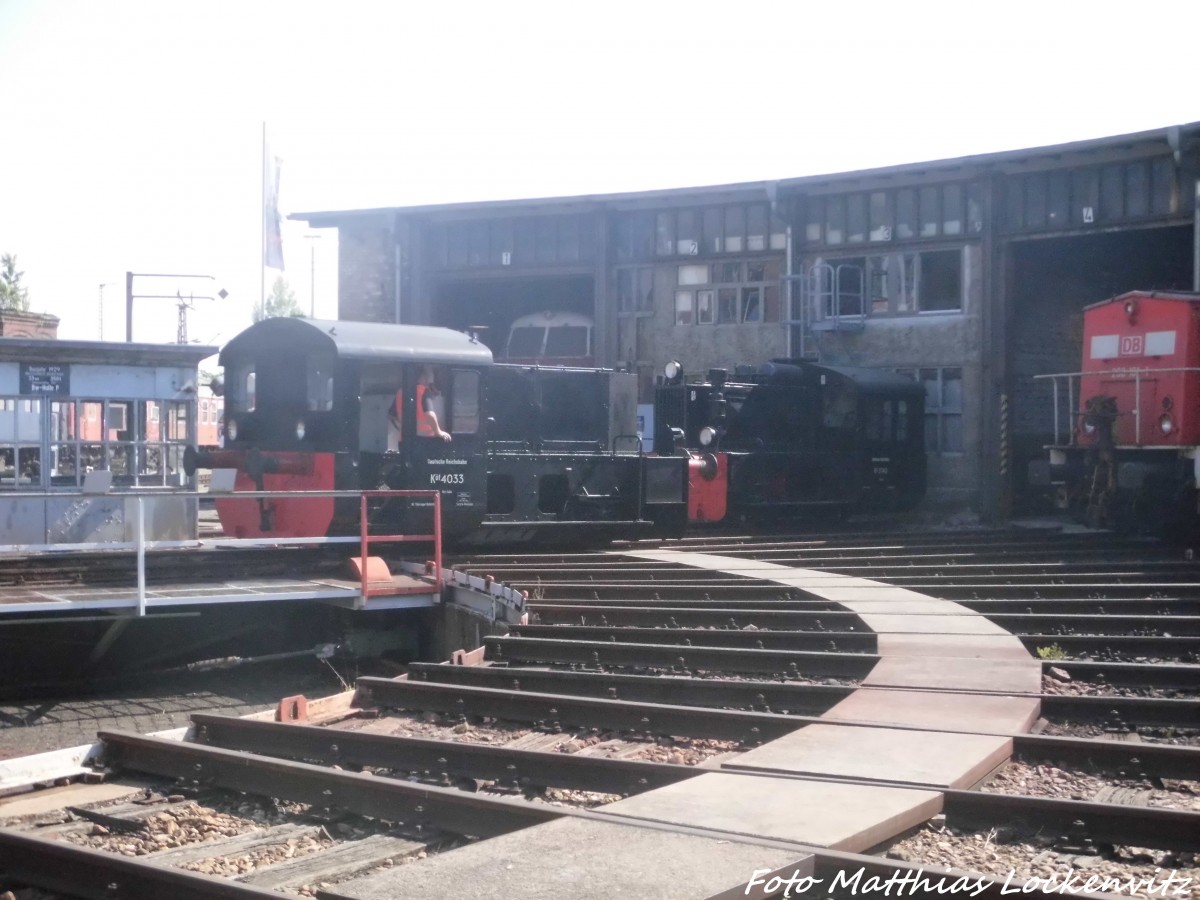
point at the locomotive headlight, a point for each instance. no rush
(1166, 424)
(673, 369)
(300, 430)
(708, 434)
(231, 429)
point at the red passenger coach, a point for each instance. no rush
(1126, 453)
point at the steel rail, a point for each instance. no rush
(1120, 757)
(784, 663)
(725, 616)
(396, 801)
(75, 871)
(1109, 644)
(732, 595)
(861, 642)
(1162, 828)
(1124, 674)
(1142, 826)
(1113, 711)
(1055, 590)
(1117, 711)
(699, 598)
(1100, 624)
(1081, 624)
(551, 710)
(952, 576)
(441, 760)
(1136, 606)
(713, 693)
(832, 642)
(904, 569)
(913, 563)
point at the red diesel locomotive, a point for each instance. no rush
(1126, 453)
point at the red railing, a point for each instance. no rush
(366, 539)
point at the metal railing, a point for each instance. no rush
(366, 538)
(1072, 378)
(828, 297)
(140, 544)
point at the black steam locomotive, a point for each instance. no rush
(528, 453)
(795, 439)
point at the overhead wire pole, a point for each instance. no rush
(130, 296)
(102, 287)
(262, 213)
(312, 274)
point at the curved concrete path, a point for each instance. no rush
(935, 712)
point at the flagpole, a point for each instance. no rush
(262, 224)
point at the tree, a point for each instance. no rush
(13, 295)
(279, 303)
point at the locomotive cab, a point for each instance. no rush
(325, 405)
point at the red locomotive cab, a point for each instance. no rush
(1140, 381)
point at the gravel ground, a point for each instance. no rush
(1053, 685)
(1043, 780)
(1180, 737)
(519, 736)
(183, 823)
(1021, 855)
(37, 726)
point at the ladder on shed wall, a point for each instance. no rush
(824, 297)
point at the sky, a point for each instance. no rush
(131, 131)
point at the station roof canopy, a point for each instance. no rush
(1178, 138)
(102, 353)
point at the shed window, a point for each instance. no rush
(891, 284)
(880, 216)
(20, 444)
(684, 307)
(943, 408)
(856, 218)
(735, 228)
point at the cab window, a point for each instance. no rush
(320, 382)
(241, 388)
(464, 402)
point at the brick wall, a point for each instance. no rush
(366, 270)
(28, 325)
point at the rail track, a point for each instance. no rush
(644, 683)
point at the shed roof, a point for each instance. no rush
(1175, 137)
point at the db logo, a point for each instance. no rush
(1132, 345)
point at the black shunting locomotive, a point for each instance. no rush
(518, 454)
(529, 454)
(794, 440)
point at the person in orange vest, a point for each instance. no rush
(427, 396)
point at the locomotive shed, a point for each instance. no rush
(786, 680)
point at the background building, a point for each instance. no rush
(970, 274)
